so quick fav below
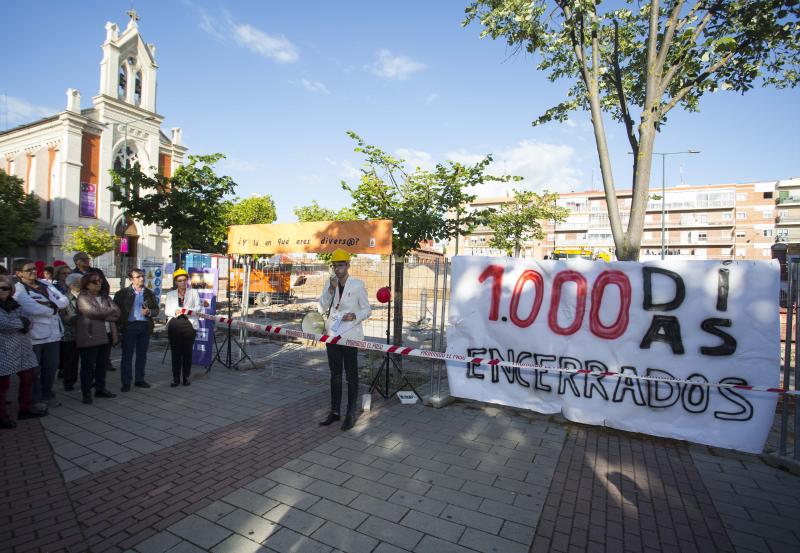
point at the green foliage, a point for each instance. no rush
(637, 61)
(92, 239)
(255, 210)
(520, 220)
(421, 204)
(315, 212)
(20, 214)
(191, 203)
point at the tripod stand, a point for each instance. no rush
(229, 363)
(389, 360)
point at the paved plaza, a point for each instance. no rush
(237, 463)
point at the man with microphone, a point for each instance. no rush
(345, 305)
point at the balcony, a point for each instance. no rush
(788, 219)
(789, 200)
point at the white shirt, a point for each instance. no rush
(46, 325)
(353, 300)
(191, 302)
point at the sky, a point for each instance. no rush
(276, 85)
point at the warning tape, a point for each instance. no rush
(523, 368)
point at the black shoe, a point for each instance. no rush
(141, 384)
(125, 388)
(186, 382)
(7, 423)
(104, 393)
(22, 415)
(87, 400)
(330, 418)
(349, 422)
(174, 384)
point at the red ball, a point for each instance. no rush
(384, 294)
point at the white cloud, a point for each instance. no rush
(345, 169)
(315, 86)
(431, 98)
(541, 166)
(21, 111)
(275, 47)
(240, 165)
(390, 66)
(416, 158)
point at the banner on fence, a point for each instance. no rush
(701, 321)
(373, 237)
(154, 277)
(206, 282)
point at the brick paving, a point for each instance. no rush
(236, 463)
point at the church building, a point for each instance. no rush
(65, 159)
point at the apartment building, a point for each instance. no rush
(719, 221)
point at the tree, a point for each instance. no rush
(315, 212)
(191, 203)
(420, 204)
(255, 210)
(519, 220)
(639, 61)
(92, 239)
(20, 214)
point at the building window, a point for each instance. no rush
(122, 83)
(740, 234)
(648, 235)
(783, 234)
(767, 214)
(768, 232)
(767, 195)
(137, 89)
(740, 252)
(741, 196)
(702, 237)
(726, 216)
(741, 215)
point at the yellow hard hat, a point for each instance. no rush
(180, 272)
(340, 255)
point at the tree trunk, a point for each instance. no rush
(641, 191)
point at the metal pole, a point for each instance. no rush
(435, 303)
(663, 204)
(796, 270)
(787, 355)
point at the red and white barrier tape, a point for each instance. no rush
(527, 368)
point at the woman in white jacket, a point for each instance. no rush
(40, 302)
(182, 328)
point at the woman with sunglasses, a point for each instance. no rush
(96, 315)
(181, 327)
(16, 355)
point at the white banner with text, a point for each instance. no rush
(711, 322)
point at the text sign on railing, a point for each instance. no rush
(703, 321)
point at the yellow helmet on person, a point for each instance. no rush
(340, 255)
(179, 272)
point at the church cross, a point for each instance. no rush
(132, 14)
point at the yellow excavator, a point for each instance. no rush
(581, 253)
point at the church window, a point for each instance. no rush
(137, 89)
(122, 83)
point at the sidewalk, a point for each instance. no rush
(237, 463)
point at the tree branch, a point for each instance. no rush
(670, 74)
(623, 103)
(669, 33)
(693, 83)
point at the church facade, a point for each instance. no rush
(65, 159)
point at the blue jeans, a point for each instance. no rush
(48, 356)
(135, 337)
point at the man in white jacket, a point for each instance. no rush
(40, 302)
(345, 304)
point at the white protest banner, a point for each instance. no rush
(701, 321)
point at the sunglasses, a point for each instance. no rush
(5, 289)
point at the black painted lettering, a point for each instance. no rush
(661, 394)
(593, 382)
(745, 412)
(565, 379)
(627, 384)
(728, 345)
(474, 352)
(695, 396)
(680, 289)
(664, 328)
(723, 284)
(538, 380)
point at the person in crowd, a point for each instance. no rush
(3, 270)
(40, 302)
(69, 318)
(16, 355)
(83, 265)
(138, 307)
(48, 274)
(60, 275)
(96, 317)
(345, 305)
(181, 328)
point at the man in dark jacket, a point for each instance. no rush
(83, 265)
(138, 306)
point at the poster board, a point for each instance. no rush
(704, 321)
(206, 282)
(357, 237)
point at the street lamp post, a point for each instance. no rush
(664, 193)
(127, 191)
